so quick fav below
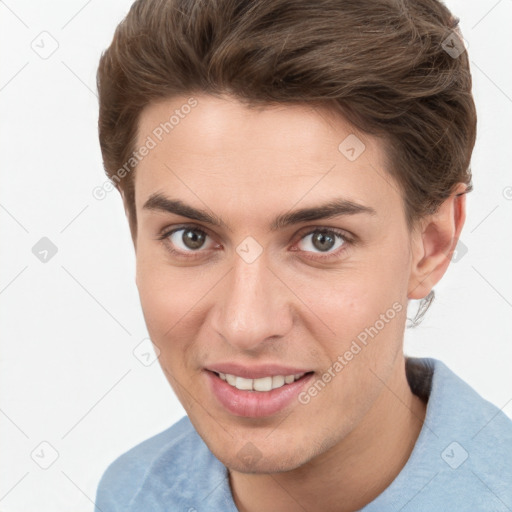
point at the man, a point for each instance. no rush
(293, 173)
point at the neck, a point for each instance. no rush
(351, 474)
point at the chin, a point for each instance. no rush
(264, 464)
(259, 456)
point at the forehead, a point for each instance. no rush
(224, 152)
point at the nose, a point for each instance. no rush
(253, 307)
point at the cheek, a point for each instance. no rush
(366, 311)
(359, 315)
(340, 303)
(166, 302)
(163, 295)
(172, 300)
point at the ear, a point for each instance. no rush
(433, 243)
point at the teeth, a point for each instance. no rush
(242, 383)
(277, 381)
(262, 384)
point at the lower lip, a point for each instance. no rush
(255, 404)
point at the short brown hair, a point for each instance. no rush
(384, 64)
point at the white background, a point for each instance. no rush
(68, 375)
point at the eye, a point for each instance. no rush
(190, 242)
(183, 240)
(325, 242)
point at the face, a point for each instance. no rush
(273, 264)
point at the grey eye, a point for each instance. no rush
(322, 241)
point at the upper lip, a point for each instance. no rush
(257, 371)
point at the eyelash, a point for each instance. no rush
(348, 240)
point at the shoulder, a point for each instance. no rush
(453, 405)
(474, 444)
(459, 409)
(462, 459)
(169, 453)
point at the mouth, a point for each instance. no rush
(263, 396)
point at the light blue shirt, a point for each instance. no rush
(462, 460)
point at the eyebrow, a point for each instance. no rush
(334, 208)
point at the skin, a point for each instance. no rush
(247, 166)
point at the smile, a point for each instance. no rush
(262, 384)
(261, 392)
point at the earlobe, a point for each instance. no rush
(434, 243)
